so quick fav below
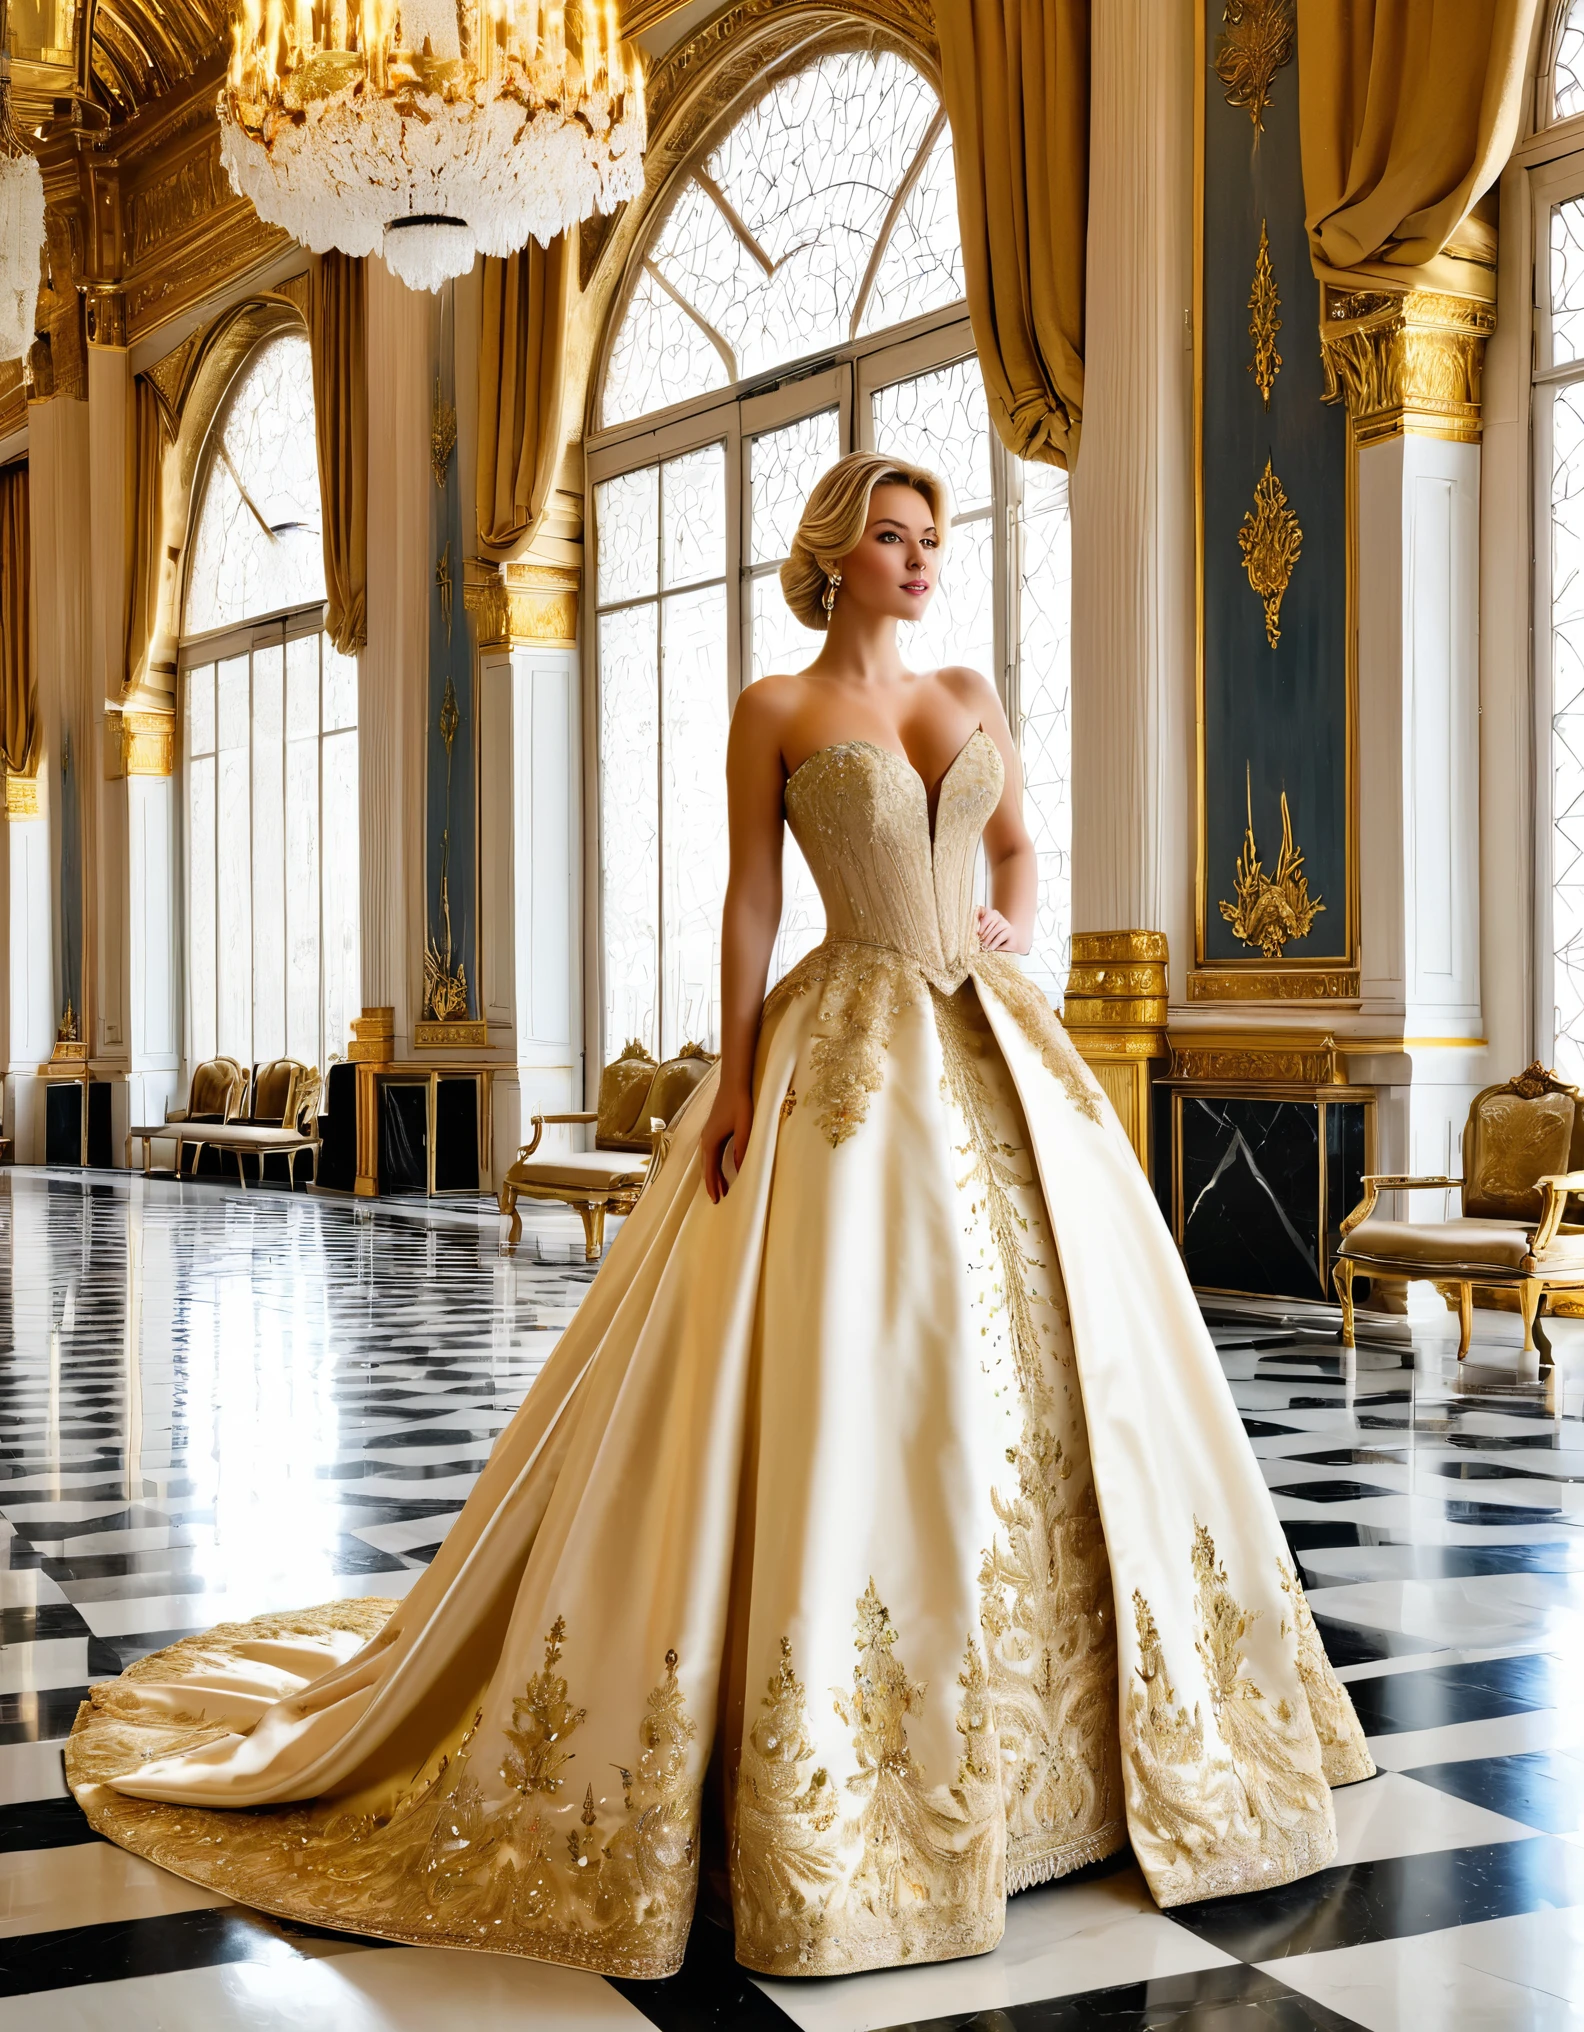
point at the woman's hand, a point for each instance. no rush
(730, 1120)
(995, 934)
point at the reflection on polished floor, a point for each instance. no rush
(215, 1403)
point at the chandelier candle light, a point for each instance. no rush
(430, 130)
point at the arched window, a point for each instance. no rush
(1567, 63)
(798, 296)
(269, 740)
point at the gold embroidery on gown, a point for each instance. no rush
(911, 1871)
(1046, 1582)
(453, 1862)
(1243, 1814)
(550, 1805)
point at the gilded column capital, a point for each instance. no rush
(104, 316)
(139, 744)
(21, 796)
(522, 605)
(1116, 1011)
(1406, 361)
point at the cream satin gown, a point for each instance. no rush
(901, 1493)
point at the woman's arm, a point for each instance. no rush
(750, 918)
(1008, 924)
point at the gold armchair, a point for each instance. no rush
(638, 1101)
(1523, 1156)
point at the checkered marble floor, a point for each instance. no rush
(215, 1403)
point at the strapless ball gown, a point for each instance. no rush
(886, 1529)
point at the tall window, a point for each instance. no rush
(269, 741)
(802, 297)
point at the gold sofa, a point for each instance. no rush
(638, 1101)
(218, 1089)
(1523, 1149)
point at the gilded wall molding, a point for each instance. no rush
(1272, 543)
(139, 744)
(522, 605)
(21, 797)
(1115, 1010)
(1406, 361)
(1271, 984)
(1273, 1062)
(1257, 37)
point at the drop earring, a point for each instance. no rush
(833, 580)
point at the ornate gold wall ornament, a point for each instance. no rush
(1320, 1065)
(1264, 324)
(1259, 36)
(442, 439)
(445, 977)
(1271, 909)
(1272, 543)
(442, 578)
(21, 796)
(1288, 984)
(1406, 361)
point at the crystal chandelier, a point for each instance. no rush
(430, 130)
(21, 221)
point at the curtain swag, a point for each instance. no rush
(337, 340)
(1015, 79)
(18, 691)
(522, 374)
(1408, 111)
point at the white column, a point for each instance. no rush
(393, 669)
(30, 949)
(1419, 842)
(1132, 495)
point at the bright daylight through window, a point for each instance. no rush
(802, 297)
(269, 742)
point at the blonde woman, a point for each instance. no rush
(881, 1537)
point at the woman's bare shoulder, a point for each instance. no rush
(763, 711)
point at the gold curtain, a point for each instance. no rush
(1015, 77)
(1408, 111)
(336, 332)
(152, 431)
(18, 692)
(521, 371)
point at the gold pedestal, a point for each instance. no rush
(1116, 1015)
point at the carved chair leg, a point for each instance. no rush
(1529, 1297)
(1465, 1319)
(1342, 1278)
(508, 1206)
(1542, 1338)
(593, 1230)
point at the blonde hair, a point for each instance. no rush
(834, 518)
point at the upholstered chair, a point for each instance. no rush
(1523, 1149)
(216, 1092)
(285, 1094)
(638, 1101)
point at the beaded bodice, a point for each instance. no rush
(861, 815)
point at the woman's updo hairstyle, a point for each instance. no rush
(834, 517)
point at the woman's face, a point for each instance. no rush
(892, 569)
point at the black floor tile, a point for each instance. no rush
(44, 1824)
(1210, 2000)
(709, 1993)
(1392, 1899)
(1352, 1457)
(1541, 1788)
(1329, 1492)
(147, 1947)
(1262, 1428)
(49, 1619)
(1497, 1513)
(1443, 1694)
(1353, 1644)
(39, 1717)
(1319, 1534)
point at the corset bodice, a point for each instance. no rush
(860, 813)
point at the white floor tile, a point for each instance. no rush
(1499, 1736)
(1489, 1609)
(149, 1615)
(1059, 1940)
(1395, 1816)
(1524, 1974)
(28, 1587)
(31, 1771)
(49, 1661)
(401, 1989)
(88, 1884)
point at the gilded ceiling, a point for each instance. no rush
(141, 48)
